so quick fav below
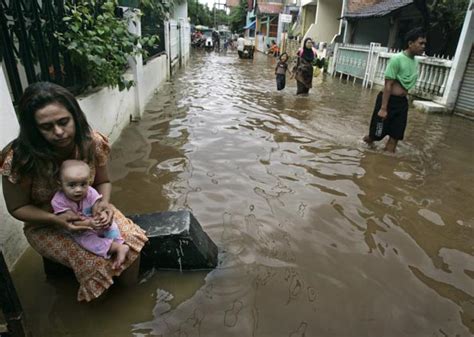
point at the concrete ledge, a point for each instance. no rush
(429, 107)
(177, 241)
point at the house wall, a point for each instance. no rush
(309, 16)
(327, 20)
(181, 11)
(155, 73)
(12, 240)
(371, 30)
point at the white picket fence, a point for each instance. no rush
(368, 63)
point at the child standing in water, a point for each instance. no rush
(77, 196)
(280, 71)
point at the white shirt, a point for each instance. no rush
(240, 44)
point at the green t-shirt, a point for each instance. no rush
(404, 69)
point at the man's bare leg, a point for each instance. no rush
(391, 145)
(368, 140)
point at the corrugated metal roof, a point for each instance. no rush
(380, 9)
(270, 8)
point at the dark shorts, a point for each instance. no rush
(280, 78)
(395, 123)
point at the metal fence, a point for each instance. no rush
(28, 47)
(433, 75)
(368, 63)
(153, 26)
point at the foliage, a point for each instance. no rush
(220, 17)
(100, 43)
(157, 8)
(199, 14)
(447, 14)
(238, 17)
(444, 17)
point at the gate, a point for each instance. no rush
(173, 42)
(465, 101)
(185, 41)
(28, 47)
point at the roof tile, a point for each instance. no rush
(382, 8)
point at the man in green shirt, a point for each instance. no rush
(391, 107)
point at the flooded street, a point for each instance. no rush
(317, 234)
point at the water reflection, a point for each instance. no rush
(318, 235)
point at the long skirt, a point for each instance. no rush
(304, 76)
(301, 88)
(94, 273)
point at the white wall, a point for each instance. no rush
(309, 2)
(109, 110)
(181, 11)
(155, 73)
(327, 20)
(12, 241)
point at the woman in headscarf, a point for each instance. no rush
(303, 71)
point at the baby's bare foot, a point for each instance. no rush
(120, 256)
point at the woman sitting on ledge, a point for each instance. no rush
(53, 129)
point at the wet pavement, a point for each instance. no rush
(318, 235)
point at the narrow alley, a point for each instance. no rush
(317, 234)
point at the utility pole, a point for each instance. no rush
(214, 9)
(218, 5)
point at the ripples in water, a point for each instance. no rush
(318, 235)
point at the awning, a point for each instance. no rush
(251, 25)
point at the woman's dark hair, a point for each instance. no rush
(308, 54)
(413, 35)
(281, 55)
(306, 40)
(33, 154)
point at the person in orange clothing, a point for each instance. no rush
(274, 50)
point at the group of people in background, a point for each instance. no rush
(306, 56)
(389, 117)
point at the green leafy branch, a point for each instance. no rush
(99, 43)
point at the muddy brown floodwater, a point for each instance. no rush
(317, 235)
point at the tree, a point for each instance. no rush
(220, 17)
(199, 13)
(238, 16)
(445, 18)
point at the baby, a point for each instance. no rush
(77, 196)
